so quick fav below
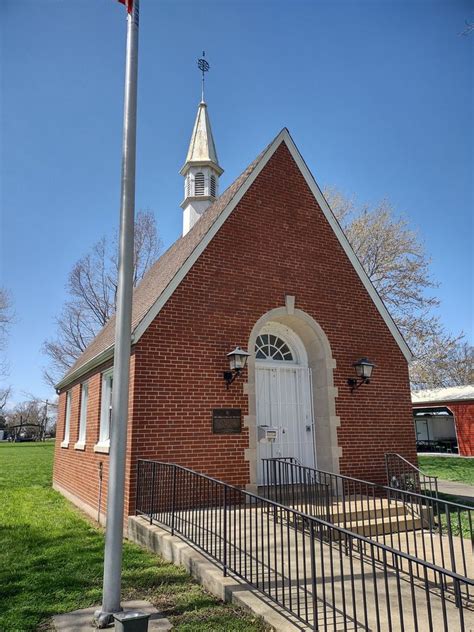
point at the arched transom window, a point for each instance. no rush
(271, 347)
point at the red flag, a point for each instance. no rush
(128, 4)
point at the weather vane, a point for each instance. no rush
(203, 67)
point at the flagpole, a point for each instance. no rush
(118, 439)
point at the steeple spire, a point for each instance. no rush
(201, 169)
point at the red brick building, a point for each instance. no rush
(264, 266)
(444, 419)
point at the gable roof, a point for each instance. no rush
(169, 270)
(448, 394)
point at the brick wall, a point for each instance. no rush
(464, 418)
(276, 242)
(77, 471)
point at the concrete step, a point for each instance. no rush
(356, 513)
(378, 526)
(368, 516)
(354, 510)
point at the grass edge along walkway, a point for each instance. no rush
(448, 468)
(51, 558)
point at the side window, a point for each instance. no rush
(106, 406)
(83, 413)
(67, 420)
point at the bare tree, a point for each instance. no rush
(396, 263)
(443, 361)
(6, 315)
(6, 319)
(92, 290)
(469, 28)
(31, 419)
(5, 394)
(22, 422)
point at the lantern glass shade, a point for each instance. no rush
(237, 359)
(364, 368)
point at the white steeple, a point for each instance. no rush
(201, 170)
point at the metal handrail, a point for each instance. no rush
(429, 528)
(398, 467)
(369, 483)
(320, 572)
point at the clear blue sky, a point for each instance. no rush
(377, 95)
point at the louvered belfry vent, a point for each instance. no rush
(213, 186)
(199, 184)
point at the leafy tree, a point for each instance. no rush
(396, 263)
(92, 294)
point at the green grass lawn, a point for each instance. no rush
(51, 558)
(451, 469)
(448, 468)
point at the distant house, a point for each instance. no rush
(444, 419)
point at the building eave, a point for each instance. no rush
(439, 402)
(201, 163)
(90, 365)
(197, 198)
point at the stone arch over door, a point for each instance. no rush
(322, 364)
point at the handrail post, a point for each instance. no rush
(312, 553)
(173, 495)
(452, 555)
(152, 502)
(137, 486)
(225, 530)
(387, 475)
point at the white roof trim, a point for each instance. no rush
(93, 363)
(283, 136)
(447, 394)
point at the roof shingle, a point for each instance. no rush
(161, 274)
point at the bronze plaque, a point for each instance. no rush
(226, 420)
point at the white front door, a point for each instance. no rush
(284, 401)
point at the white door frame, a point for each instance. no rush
(290, 375)
(321, 361)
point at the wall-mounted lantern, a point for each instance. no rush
(363, 369)
(237, 361)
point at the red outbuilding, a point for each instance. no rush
(444, 420)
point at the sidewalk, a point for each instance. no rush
(464, 491)
(329, 586)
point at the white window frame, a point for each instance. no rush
(67, 421)
(81, 439)
(103, 445)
